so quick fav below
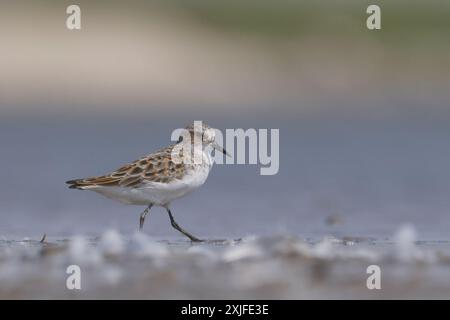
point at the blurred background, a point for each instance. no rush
(364, 116)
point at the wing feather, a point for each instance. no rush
(155, 167)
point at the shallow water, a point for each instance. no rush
(353, 184)
(340, 177)
(136, 266)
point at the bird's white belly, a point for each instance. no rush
(157, 193)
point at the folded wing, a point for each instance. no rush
(156, 167)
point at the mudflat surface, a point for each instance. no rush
(273, 267)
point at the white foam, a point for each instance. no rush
(80, 251)
(405, 242)
(143, 245)
(323, 249)
(269, 262)
(112, 243)
(248, 250)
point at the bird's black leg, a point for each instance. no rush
(176, 226)
(143, 215)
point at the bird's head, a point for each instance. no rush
(200, 131)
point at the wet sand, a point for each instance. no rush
(277, 267)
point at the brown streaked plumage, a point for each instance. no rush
(155, 167)
(156, 179)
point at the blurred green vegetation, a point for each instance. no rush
(288, 18)
(402, 20)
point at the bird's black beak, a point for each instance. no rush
(217, 147)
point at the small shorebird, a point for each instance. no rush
(158, 178)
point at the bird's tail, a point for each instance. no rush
(76, 184)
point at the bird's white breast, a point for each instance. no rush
(162, 193)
